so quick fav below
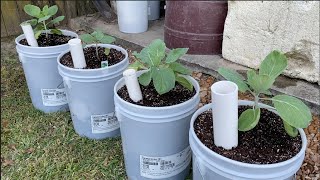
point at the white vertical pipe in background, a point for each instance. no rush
(224, 96)
(77, 55)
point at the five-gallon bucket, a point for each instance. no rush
(90, 97)
(197, 25)
(208, 165)
(155, 139)
(153, 10)
(40, 69)
(132, 16)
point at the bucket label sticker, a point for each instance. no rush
(104, 123)
(165, 167)
(54, 97)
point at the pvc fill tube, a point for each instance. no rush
(224, 96)
(29, 34)
(77, 53)
(131, 80)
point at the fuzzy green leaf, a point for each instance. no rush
(45, 10)
(184, 82)
(292, 110)
(153, 54)
(98, 35)
(56, 31)
(179, 68)
(249, 119)
(106, 51)
(32, 22)
(56, 20)
(137, 65)
(87, 38)
(107, 40)
(53, 10)
(273, 65)
(32, 10)
(44, 18)
(175, 54)
(291, 131)
(37, 34)
(163, 79)
(259, 83)
(145, 78)
(235, 77)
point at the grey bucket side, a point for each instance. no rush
(90, 95)
(157, 132)
(40, 69)
(208, 164)
(153, 10)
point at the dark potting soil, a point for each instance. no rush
(92, 61)
(52, 40)
(151, 98)
(267, 143)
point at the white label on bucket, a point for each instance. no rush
(164, 167)
(104, 123)
(54, 97)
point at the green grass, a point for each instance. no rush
(35, 145)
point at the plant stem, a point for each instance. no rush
(45, 27)
(97, 52)
(256, 101)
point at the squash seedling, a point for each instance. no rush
(41, 18)
(294, 113)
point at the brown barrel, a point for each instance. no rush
(197, 25)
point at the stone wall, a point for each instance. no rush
(253, 29)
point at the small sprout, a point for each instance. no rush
(98, 37)
(294, 113)
(162, 69)
(41, 16)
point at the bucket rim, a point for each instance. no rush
(197, 142)
(123, 61)
(22, 36)
(194, 83)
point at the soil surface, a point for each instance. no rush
(151, 98)
(52, 40)
(267, 143)
(92, 61)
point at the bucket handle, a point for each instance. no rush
(199, 167)
(67, 82)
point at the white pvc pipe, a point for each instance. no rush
(224, 96)
(133, 87)
(29, 34)
(77, 53)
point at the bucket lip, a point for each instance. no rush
(197, 88)
(234, 162)
(21, 36)
(123, 61)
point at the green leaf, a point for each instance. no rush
(45, 10)
(39, 27)
(56, 31)
(145, 78)
(249, 119)
(53, 10)
(137, 65)
(37, 34)
(259, 83)
(107, 40)
(235, 77)
(98, 35)
(32, 22)
(291, 131)
(87, 38)
(292, 110)
(273, 65)
(32, 10)
(267, 92)
(44, 18)
(56, 20)
(106, 51)
(163, 79)
(175, 54)
(179, 68)
(153, 54)
(184, 82)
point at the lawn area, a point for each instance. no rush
(35, 145)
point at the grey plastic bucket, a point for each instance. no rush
(40, 69)
(208, 165)
(154, 136)
(90, 97)
(153, 10)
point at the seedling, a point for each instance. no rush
(98, 37)
(162, 69)
(293, 112)
(41, 16)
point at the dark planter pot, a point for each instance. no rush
(197, 25)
